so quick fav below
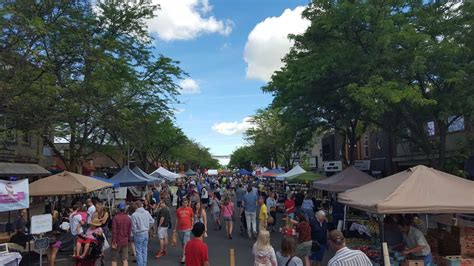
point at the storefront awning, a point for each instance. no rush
(22, 170)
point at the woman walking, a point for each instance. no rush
(200, 215)
(287, 257)
(263, 250)
(228, 214)
(216, 211)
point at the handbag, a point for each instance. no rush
(270, 220)
(106, 243)
(315, 246)
(288, 262)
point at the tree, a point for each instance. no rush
(242, 158)
(88, 70)
(386, 63)
(274, 138)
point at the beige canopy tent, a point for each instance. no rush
(350, 178)
(417, 190)
(66, 183)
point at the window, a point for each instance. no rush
(430, 128)
(366, 146)
(456, 123)
(10, 135)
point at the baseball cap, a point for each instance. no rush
(121, 206)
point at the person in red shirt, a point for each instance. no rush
(196, 249)
(290, 207)
(121, 231)
(184, 224)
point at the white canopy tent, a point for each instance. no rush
(212, 172)
(162, 172)
(297, 170)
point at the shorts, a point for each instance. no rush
(184, 236)
(119, 253)
(205, 201)
(162, 232)
(216, 215)
(86, 240)
(228, 219)
(304, 249)
(239, 204)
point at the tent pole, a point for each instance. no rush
(345, 218)
(382, 233)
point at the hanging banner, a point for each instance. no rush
(14, 195)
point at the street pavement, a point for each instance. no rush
(219, 248)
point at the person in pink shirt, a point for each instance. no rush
(227, 211)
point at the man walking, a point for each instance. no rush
(250, 207)
(196, 250)
(184, 224)
(164, 222)
(141, 223)
(345, 256)
(240, 195)
(121, 231)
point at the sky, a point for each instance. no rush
(229, 48)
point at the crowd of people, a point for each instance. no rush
(202, 204)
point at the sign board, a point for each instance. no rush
(332, 166)
(41, 223)
(3, 248)
(14, 195)
(41, 243)
(363, 165)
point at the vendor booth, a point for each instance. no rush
(66, 183)
(164, 173)
(150, 178)
(350, 178)
(297, 170)
(190, 172)
(244, 172)
(127, 178)
(419, 190)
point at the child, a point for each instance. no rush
(288, 229)
(263, 250)
(88, 238)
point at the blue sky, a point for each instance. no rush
(209, 38)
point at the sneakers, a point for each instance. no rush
(160, 254)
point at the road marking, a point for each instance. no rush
(232, 257)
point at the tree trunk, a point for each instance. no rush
(352, 142)
(392, 148)
(442, 143)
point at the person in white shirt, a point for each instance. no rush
(345, 256)
(90, 210)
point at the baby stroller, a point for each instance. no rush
(243, 224)
(94, 255)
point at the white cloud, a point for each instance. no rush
(186, 20)
(189, 86)
(268, 43)
(233, 128)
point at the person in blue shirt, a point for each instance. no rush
(156, 194)
(249, 203)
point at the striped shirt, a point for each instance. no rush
(349, 257)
